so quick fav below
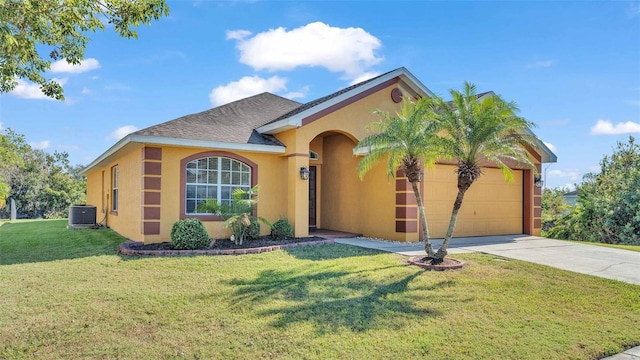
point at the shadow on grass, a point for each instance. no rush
(334, 300)
(50, 240)
(330, 252)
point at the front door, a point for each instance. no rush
(312, 197)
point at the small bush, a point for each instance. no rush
(55, 214)
(189, 234)
(253, 231)
(281, 229)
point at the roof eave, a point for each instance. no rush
(296, 120)
(191, 143)
(546, 155)
(280, 126)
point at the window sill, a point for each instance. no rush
(113, 212)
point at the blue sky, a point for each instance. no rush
(572, 67)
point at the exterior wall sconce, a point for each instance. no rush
(538, 181)
(304, 173)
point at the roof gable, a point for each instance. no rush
(295, 117)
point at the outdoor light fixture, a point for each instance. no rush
(304, 173)
(538, 181)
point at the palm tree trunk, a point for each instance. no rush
(428, 248)
(442, 252)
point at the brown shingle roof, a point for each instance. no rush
(233, 122)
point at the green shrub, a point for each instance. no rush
(281, 229)
(189, 234)
(253, 231)
(237, 215)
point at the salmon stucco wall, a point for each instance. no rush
(126, 221)
(344, 202)
(270, 176)
(350, 204)
(129, 222)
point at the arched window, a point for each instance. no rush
(214, 178)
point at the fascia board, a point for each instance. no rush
(547, 155)
(168, 141)
(112, 150)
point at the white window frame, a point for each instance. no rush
(242, 173)
(114, 188)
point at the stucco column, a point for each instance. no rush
(298, 196)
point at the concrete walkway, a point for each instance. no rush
(610, 263)
(622, 265)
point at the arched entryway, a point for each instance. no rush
(333, 183)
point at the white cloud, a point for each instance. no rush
(366, 76)
(237, 34)
(247, 86)
(540, 64)
(295, 94)
(606, 127)
(550, 146)
(68, 147)
(351, 51)
(44, 144)
(86, 91)
(28, 90)
(62, 66)
(122, 131)
(572, 174)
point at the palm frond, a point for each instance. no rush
(409, 134)
(486, 128)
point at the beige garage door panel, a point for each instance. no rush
(490, 207)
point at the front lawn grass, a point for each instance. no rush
(615, 246)
(68, 294)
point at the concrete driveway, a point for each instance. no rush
(623, 265)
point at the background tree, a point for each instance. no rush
(11, 146)
(554, 207)
(43, 184)
(608, 204)
(406, 141)
(475, 130)
(59, 28)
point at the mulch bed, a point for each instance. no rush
(223, 246)
(427, 263)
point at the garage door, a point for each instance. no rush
(490, 207)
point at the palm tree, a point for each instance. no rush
(479, 129)
(406, 142)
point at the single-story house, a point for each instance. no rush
(156, 176)
(571, 197)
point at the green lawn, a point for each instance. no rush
(68, 294)
(616, 246)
